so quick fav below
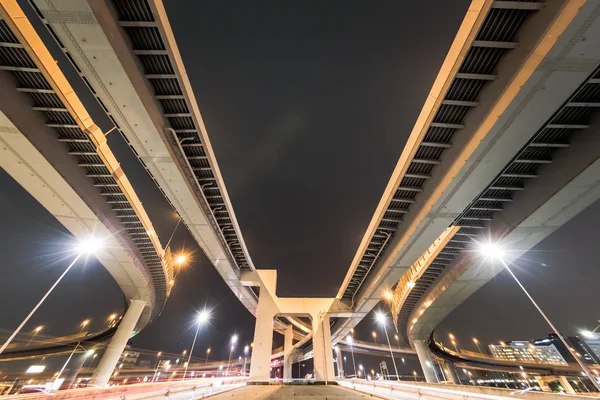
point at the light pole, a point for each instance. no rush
(112, 319)
(494, 251)
(382, 320)
(83, 325)
(35, 332)
(349, 339)
(374, 334)
(89, 246)
(207, 353)
(156, 367)
(477, 344)
(453, 341)
(234, 339)
(202, 318)
(246, 350)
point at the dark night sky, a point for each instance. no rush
(308, 105)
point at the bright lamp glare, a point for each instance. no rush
(380, 317)
(234, 339)
(491, 250)
(203, 316)
(89, 246)
(588, 334)
(181, 259)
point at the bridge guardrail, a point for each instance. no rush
(160, 390)
(399, 390)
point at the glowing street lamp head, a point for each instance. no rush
(380, 317)
(181, 259)
(349, 339)
(588, 334)
(491, 250)
(234, 339)
(388, 295)
(38, 329)
(203, 316)
(246, 349)
(89, 246)
(475, 341)
(85, 323)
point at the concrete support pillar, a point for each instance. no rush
(260, 368)
(564, 382)
(451, 373)
(76, 364)
(117, 344)
(288, 348)
(543, 384)
(340, 361)
(322, 350)
(424, 359)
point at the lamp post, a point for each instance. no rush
(477, 344)
(156, 366)
(234, 339)
(83, 325)
(374, 334)
(453, 341)
(349, 339)
(202, 318)
(246, 350)
(382, 320)
(207, 353)
(35, 332)
(89, 246)
(494, 251)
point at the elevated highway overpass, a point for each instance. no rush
(492, 128)
(53, 148)
(504, 147)
(127, 54)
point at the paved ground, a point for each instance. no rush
(296, 392)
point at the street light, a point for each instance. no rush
(84, 324)
(201, 319)
(234, 339)
(207, 353)
(477, 344)
(382, 320)
(84, 247)
(374, 334)
(35, 332)
(156, 367)
(349, 339)
(112, 319)
(453, 341)
(246, 350)
(494, 251)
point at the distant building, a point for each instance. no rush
(543, 351)
(588, 348)
(128, 358)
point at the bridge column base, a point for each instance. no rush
(322, 350)
(451, 373)
(564, 382)
(340, 362)
(260, 365)
(117, 344)
(288, 347)
(425, 361)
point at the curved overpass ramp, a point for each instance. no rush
(51, 146)
(503, 146)
(129, 57)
